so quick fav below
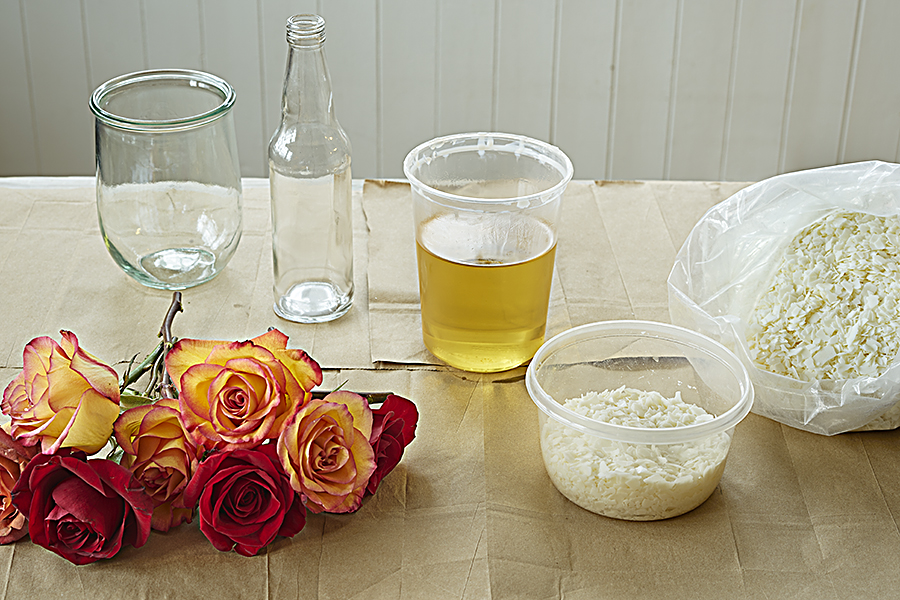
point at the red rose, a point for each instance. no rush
(393, 428)
(83, 510)
(244, 500)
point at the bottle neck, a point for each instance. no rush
(307, 84)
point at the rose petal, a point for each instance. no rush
(194, 397)
(403, 410)
(294, 517)
(273, 340)
(62, 391)
(220, 542)
(124, 484)
(54, 505)
(74, 497)
(327, 459)
(127, 425)
(244, 500)
(166, 516)
(99, 375)
(305, 370)
(358, 407)
(90, 425)
(186, 353)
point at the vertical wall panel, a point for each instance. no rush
(700, 89)
(525, 67)
(18, 150)
(231, 45)
(763, 55)
(819, 89)
(643, 81)
(59, 79)
(587, 33)
(351, 53)
(465, 65)
(114, 39)
(874, 112)
(636, 89)
(407, 68)
(174, 35)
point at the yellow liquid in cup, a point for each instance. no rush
(479, 313)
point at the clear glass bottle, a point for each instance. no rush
(309, 177)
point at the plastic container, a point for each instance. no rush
(628, 472)
(486, 208)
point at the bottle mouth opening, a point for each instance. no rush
(306, 31)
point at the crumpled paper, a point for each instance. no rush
(470, 512)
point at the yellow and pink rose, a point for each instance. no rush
(160, 453)
(240, 394)
(62, 398)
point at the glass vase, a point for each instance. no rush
(168, 176)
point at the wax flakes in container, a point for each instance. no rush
(636, 418)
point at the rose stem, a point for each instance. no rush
(166, 388)
(134, 374)
(372, 398)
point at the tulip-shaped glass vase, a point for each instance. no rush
(168, 177)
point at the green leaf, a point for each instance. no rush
(132, 400)
(116, 455)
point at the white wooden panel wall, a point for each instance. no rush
(630, 89)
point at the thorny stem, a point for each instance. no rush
(157, 369)
(165, 332)
(166, 388)
(131, 376)
(371, 397)
(154, 363)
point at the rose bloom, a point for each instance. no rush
(326, 452)
(63, 398)
(83, 510)
(393, 428)
(239, 394)
(13, 458)
(161, 455)
(244, 500)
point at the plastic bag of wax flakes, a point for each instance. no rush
(729, 261)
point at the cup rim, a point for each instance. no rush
(485, 140)
(640, 435)
(191, 78)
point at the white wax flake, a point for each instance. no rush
(633, 481)
(636, 408)
(832, 307)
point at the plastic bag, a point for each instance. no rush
(730, 256)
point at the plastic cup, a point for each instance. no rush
(486, 209)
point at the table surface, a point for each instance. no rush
(470, 512)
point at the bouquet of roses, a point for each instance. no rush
(232, 432)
